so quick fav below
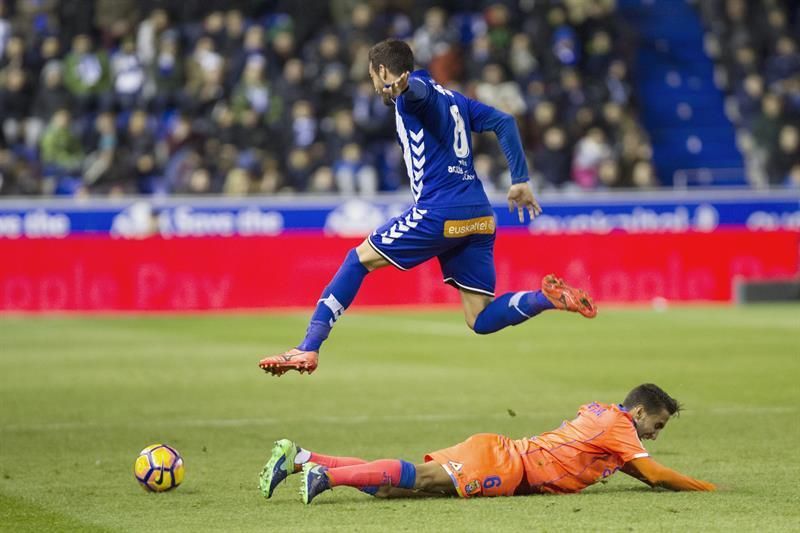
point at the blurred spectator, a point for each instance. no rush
(303, 124)
(552, 159)
(433, 38)
(148, 35)
(116, 19)
(643, 175)
(271, 178)
(598, 54)
(47, 52)
(786, 156)
(233, 35)
(237, 182)
(61, 150)
(102, 145)
(590, 152)
(496, 91)
(252, 91)
(522, 61)
(617, 85)
(86, 73)
(298, 169)
(50, 97)
(608, 174)
(785, 62)
(13, 57)
(15, 100)
(283, 48)
(768, 124)
(166, 75)
(570, 93)
(748, 99)
(352, 173)
(291, 86)
(205, 86)
(250, 130)
(322, 180)
(252, 48)
(128, 76)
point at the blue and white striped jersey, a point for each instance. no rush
(434, 128)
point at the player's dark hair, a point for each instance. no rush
(393, 54)
(653, 398)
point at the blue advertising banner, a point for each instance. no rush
(598, 213)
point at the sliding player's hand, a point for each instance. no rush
(520, 197)
(396, 88)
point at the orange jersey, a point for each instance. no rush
(568, 459)
(580, 452)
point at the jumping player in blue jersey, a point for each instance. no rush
(451, 218)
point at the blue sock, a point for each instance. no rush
(408, 475)
(511, 309)
(336, 297)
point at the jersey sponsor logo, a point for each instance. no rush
(454, 169)
(472, 487)
(471, 226)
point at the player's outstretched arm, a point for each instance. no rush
(654, 474)
(486, 118)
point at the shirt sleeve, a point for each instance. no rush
(486, 118)
(622, 440)
(417, 97)
(656, 475)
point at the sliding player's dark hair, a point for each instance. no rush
(653, 398)
(393, 54)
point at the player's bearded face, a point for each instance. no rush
(649, 425)
(379, 82)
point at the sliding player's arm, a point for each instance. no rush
(648, 471)
(486, 118)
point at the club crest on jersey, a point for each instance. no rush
(472, 487)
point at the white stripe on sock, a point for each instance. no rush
(514, 302)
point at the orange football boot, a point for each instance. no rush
(568, 298)
(294, 359)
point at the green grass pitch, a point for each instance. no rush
(79, 397)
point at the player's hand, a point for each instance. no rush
(520, 197)
(396, 88)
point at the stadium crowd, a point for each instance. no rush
(755, 48)
(108, 97)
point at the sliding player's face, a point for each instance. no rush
(379, 82)
(648, 425)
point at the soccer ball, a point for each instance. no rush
(158, 468)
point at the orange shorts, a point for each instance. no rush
(483, 465)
